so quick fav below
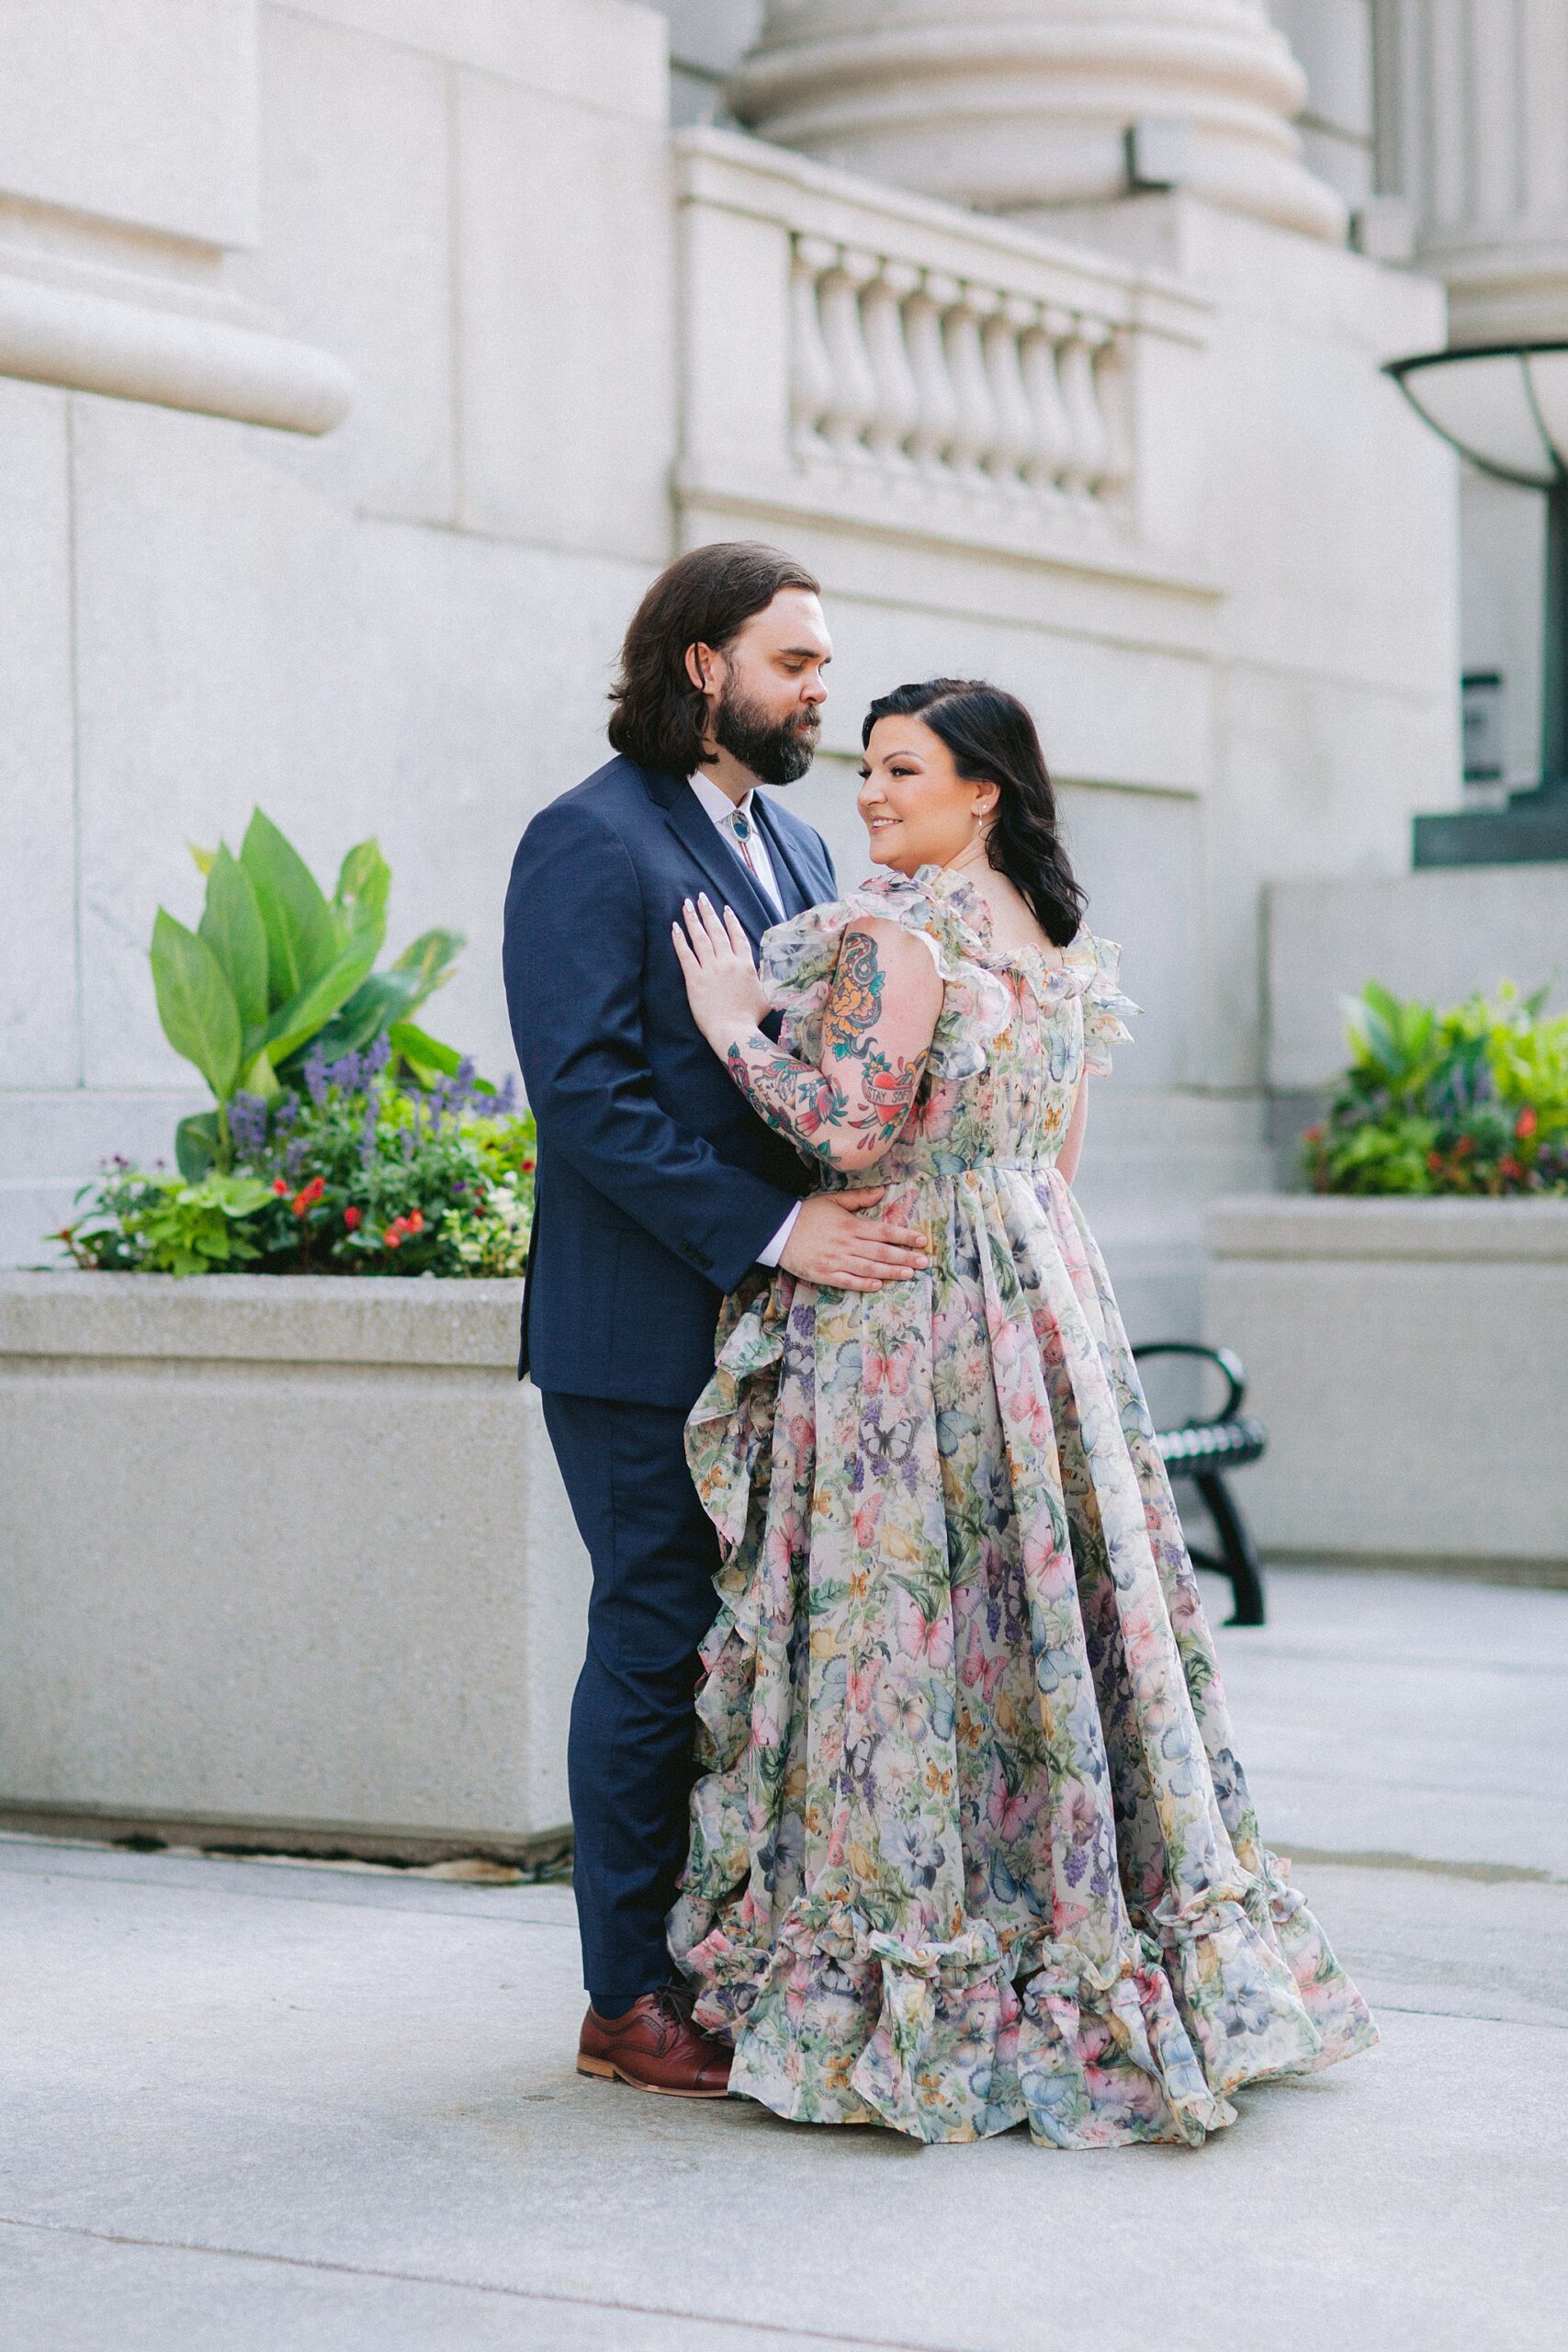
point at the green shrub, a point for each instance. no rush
(356, 1174)
(1475, 1100)
(149, 1222)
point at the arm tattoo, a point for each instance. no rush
(855, 1000)
(820, 1115)
(792, 1098)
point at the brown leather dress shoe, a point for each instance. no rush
(655, 2047)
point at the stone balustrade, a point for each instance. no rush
(895, 360)
(913, 371)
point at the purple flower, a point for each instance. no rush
(505, 1099)
(247, 1124)
(316, 1076)
(345, 1073)
(377, 1054)
(294, 1159)
(368, 1132)
(287, 1111)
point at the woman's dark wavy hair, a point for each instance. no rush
(705, 598)
(993, 741)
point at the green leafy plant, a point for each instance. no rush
(157, 1223)
(354, 1172)
(276, 969)
(1473, 1099)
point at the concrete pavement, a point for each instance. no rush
(251, 2106)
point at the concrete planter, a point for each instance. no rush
(1410, 1359)
(284, 1555)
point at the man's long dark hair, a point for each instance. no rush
(993, 741)
(705, 598)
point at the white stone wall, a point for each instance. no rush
(1443, 935)
(1254, 680)
(1242, 657)
(403, 628)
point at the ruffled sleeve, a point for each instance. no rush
(799, 959)
(1104, 1006)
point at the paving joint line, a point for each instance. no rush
(477, 2287)
(1375, 1858)
(1313, 1857)
(286, 1894)
(1468, 2017)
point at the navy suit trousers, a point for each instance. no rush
(630, 1756)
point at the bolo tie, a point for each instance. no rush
(742, 825)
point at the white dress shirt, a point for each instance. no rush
(721, 810)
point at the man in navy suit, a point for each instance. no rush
(658, 1190)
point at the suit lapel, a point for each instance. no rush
(728, 877)
(796, 885)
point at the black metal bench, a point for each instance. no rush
(1205, 1451)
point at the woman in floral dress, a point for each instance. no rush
(970, 1844)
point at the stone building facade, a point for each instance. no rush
(360, 360)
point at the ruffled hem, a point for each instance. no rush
(730, 1428)
(839, 2022)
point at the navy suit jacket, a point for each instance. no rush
(657, 1183)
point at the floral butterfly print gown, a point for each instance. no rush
(970, 1843)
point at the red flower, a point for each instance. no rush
(280, 1187)
(352, 1218)
(392, 1238)
(306, 1201)
(1435, 1163)
(414, 1221)
(528, 1165)
(1526, 1124)
(1508, 1166)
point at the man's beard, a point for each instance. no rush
(777, 751)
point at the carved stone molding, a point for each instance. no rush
(1020, 106)
(140, 348)
(129, 177)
